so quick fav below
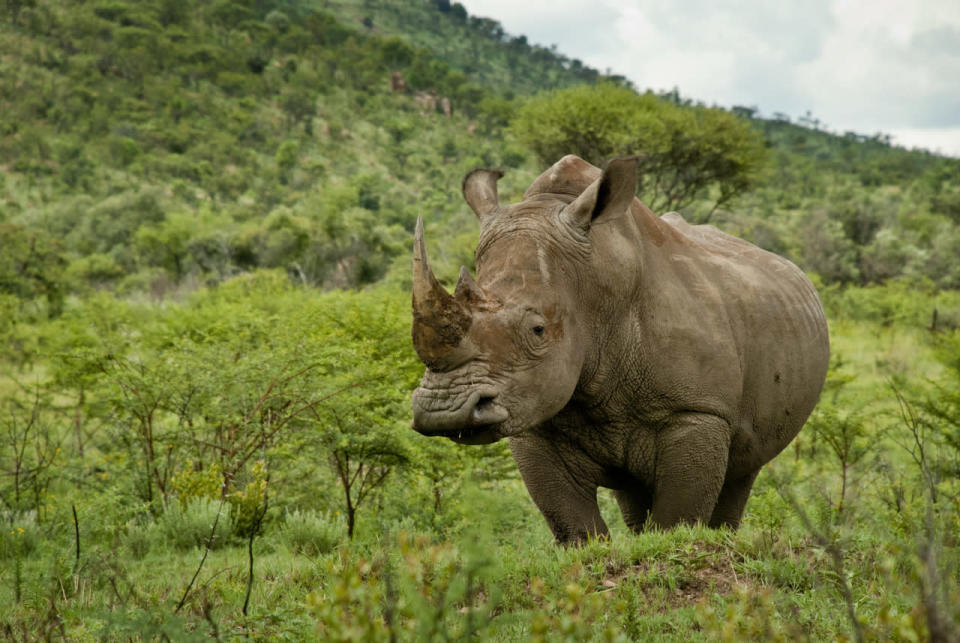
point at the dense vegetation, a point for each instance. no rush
(202, 435)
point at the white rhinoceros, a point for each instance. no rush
(614, 348)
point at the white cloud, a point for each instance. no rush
(945, 140)
(861, 65)
(559, 22)
(888, 65)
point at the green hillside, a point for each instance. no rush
(477, 46)
(143, 145)
(206, 212)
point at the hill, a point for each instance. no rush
(157, 147)
(477, 46)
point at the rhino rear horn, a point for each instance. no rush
(439, 320)
(467, 291)
(480, 192)
(612, 193)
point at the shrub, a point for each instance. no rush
(191, 483)
(19, 534)
(190, 526)
(139, 541)
(311, 533)
(247, 505)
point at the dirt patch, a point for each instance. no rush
(682, 579)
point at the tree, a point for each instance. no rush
(685, 150)
(286, 159)
(361, 459)
(825, 250)
(364, 427)
(28, 449)
(215, 384)
(459, 12)
(166, 244)
(395, 54)
(299, 105)
(13, 8)
(744, 112)
(31, 266)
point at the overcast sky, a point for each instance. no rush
(869, 66)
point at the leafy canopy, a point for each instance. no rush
(686, 150)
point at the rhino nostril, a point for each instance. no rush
(487, 411)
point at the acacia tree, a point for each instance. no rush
(685, 150)
(29, 447)
(216, 383)
(362, 457)
(364, 428)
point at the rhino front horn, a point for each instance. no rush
(439, 321)
(480, 192)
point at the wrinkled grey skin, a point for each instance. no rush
(618, 349)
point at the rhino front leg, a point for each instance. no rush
(691, 464)
(562, 487)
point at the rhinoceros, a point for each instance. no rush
(614, 348)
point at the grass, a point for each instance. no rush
(672, 585)
(770, 576)
(485, 565)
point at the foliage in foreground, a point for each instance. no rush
(212, 501)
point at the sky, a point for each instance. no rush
(868, 66)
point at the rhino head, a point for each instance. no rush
(505, 353)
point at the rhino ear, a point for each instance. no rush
(480, 192)
(609, 195)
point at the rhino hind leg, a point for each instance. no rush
(635, 505)
(732, 500)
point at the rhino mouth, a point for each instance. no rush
(476, 420)
(471, 435)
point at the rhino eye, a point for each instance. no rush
(538, 330)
